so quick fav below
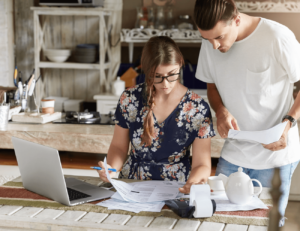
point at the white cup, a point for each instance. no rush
(4, 114)
(48, 106)
(216, 184)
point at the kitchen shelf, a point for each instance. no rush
(109, 58)
(71, 65)
(141, 36)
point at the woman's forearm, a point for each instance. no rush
(116, 157)
(199, 174)
(118, 148)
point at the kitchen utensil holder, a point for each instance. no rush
(31, 106)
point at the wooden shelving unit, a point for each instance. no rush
(69, 65)
(108, 58)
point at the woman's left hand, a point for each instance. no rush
(186, 188)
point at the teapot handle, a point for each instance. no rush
(256, 194)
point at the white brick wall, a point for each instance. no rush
(6, 43)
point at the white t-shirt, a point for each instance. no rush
(255, 81)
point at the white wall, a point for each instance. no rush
(6, 43)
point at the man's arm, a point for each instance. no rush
(295, 110)
(225, 120)
(282, 143)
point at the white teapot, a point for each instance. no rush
(238, 187)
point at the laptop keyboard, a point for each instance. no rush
(75, 195)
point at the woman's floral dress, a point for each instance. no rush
(168, 156)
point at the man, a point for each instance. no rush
(250, 65)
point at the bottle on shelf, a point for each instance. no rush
(141, 18)
(170, 19)
(160, 23)
(118, 86)
(151, 18)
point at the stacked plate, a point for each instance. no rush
(86, 53)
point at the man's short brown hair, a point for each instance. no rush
(207, 13)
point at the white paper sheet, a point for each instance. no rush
(146, 191)
(264, 137)
(132, 207)
(223, 204)
(123, 188)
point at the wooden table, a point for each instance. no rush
(17, 218)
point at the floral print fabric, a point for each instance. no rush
(168, 156)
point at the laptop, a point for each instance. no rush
(41, 172)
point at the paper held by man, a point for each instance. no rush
(264, 137)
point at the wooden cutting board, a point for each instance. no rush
(39, 119)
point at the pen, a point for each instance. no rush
(110, 169)
(15, 76)
(32, 75)
(31, 89)
(30, 81)
(38, 78)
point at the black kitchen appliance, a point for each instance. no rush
(92, 118)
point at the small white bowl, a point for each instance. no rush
(57, 52)
(57, 59)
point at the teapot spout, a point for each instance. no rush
(223, 178)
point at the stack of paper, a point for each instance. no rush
(149, 194)
(150, 191)
(223, 204)
(131, 206)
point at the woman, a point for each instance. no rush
(161, 119)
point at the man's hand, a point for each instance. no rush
(282, 142)
(225, 121)
(102, 173)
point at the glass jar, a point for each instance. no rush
(170, 19)
(31, 105)
(141, 18)
(160, 22)
(185, 23)
(150, 23)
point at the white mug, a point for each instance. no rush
(48, 106)
(216, 184)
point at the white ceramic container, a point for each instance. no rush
(239, 188)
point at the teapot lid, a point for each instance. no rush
(239, 173)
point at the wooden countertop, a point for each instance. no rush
(64, 137)
(77, 137)
(74, 137)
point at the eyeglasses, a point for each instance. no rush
(169, 78)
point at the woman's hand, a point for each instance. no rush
(102, 173)
(187, 187)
